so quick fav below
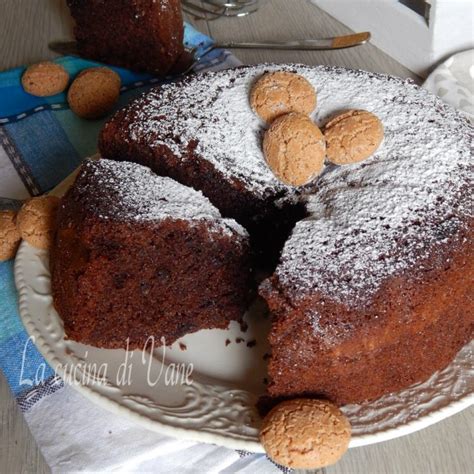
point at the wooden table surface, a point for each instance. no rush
(26, 26)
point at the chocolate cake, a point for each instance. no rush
(138, 255)
(373, 291)
(142, 35)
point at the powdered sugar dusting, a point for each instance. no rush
(368, 221)
(372, 220)
(131, 192)
(211, 111)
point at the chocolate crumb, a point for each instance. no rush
(266, 356)
(238, 340)
(227, 342)
(252, 343)
(244, 326)
(182, 346)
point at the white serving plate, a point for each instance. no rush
(218, 406)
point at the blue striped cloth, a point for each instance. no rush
(42, 142)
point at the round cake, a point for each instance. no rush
(373, 289)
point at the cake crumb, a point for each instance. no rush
(182, 346)
(227, 342)
(252, 343)
(238, 340)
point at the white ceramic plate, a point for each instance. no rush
(227, 377)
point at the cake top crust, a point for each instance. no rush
(368, 221)
(210, 115)
(377, 219)
(123, 191)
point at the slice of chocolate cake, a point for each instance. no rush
(138, 255)
(142, 35)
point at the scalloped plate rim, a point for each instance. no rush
(227, 440)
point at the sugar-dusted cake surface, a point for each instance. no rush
(138, 255)
(202, 132)
(370, 221)
(373, 289)
(205, 116)
(128, 192)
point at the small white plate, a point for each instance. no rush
(227, 377)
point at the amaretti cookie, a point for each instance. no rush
(281, 92)
(294, 149)
(352, 136)
(45, 79)
(138, 255)
(36, 221)
(305, 433)
(9, 235)
(94, 92)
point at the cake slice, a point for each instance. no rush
(142, 35)
(138, 255)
